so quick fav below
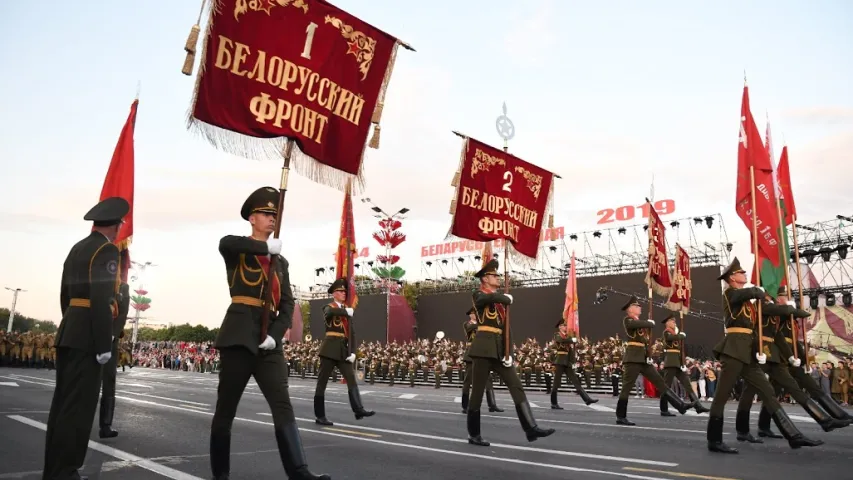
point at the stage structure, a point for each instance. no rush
(599, 252)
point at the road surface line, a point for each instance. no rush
(677, 474)
(163, 398)
(121, 455)
(353, 432)
(408, 396)
(43, 384)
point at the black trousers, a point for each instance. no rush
(805, 381)
(671, 373)
(481, 372)
(326, 367)
(569, 372)
(633, 370)
(108, 378)
(752, 375)
(237, 365)
(72, 411)
(466, 384)
(781, 379)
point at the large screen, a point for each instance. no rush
(536, 311)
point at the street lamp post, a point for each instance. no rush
(15, 292)
(141, 268)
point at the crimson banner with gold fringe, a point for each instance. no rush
(657, 277)
(499, 195)
(682, 286)
(305, 70)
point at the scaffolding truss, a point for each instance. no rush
(825, 263)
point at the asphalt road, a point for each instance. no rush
(418, 434)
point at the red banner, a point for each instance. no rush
(682, 286)
(344, 266)
(570, 309)
(657, 277)
(470, 246)
(500, 196)
(301, 69)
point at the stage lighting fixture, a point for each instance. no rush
(622, 230)
(842, 251)
(808, 255)
(477, 257)
(495, 256)
(444, 262)
(825, 253)
(729, 247)
(813, 301)
(356, 265)
(461, 260)
(645, 228)
(596, 234)
(846, 298)
(709, 221)
(830, 299)
(697, 221)
(370, 263)
(428, 264)
(331, 269)
(317, 271)
(552, 248)
(672, 224)
(376, 209)
(573, 237)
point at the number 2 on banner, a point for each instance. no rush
(506, 187)
(309, 40)
(628, 212)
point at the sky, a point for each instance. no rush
(607, 94)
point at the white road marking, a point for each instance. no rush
(136, 385)
(44, 384)
(119, 454)
(457, 399)
(311, 400)
(533, 405)
(548, 420)
(195, 407)
(179, 400)
(600, 408)
(367, 391)
(408, 396)
(8, 384)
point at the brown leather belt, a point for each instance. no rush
(468, 344)
(250, 301)
(672, 350)
(562, 353)
(80, 302)
(335, 334)
(745, 331)
(768, 339)
(635, 344)
(490, 330)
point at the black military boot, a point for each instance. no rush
(622, 413)
(764, 429)
(832, 407)
(490, 399)
(715, 436)
(742, 428)
(465, 398)
(320, 411)
(292, 455)
(220, 455)
(473, 422)
(357, 407)
(108, 408)
(822, 418)
(554, 404)
(795, 438)
(696, 403)
(528, 423)
(585, 397)
(664, 407)
(676, 401)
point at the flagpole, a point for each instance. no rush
(651, 300)
(802, 298)
(787, 275)
(756, 258)
(349, 271)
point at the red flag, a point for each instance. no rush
(119, 183)
(783, 174)
(682, 285)
(347, 250)
(752, 153)
(657, 277)
(570, 310)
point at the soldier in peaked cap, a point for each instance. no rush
(487, 352)
(637, 362)
(673, 366)
(243, 354)
(336, 352)
(470, 327)
(88, 298)
(739, 358)
(564, 364)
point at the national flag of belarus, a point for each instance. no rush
(570, 310)
(783, 175)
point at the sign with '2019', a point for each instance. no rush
(627, 213)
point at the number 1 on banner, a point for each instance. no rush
(309, 40)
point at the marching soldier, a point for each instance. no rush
(779, 356)
(673, 367)
(242, 353)
(335, 352)
(739, 358)
(90, 282)
(108, 388)
(637, 362)
(487, 352)
(2, 347)
(470, 327)
(27, 342)
(564, 365)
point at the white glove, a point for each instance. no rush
(683, 335)
(792, 303)
(650, 361)
(676, 330)
(653, 322)
(274, 246)
(508, 296)
(103, 358)
(683, 368)
(114, 339)
(351, 358)
(762, 358)
(574, 339)
(507, 362)
(349, 311)
(268, 344)
(762, 289)
(795, 361)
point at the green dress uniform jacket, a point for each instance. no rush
(470, 333)
(247, 282)
(774, 327)
(565, 354)
(489, 341)
(90, 284)
(637, 345)
(740, 341)
(672, 349)
(335, 345)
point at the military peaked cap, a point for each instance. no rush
(470, 311)
(669, 317)
(108, 212)
(339, 285)
(632, 301)
(489, 268)
(561, 322)
(783, 291)
(733, 268)
(262, 200)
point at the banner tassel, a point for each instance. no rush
(374, 140)
(380, 103)
(192, 44)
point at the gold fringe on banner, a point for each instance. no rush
(457, 177)
(453, 207)
(550, 222)
(380, 102)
